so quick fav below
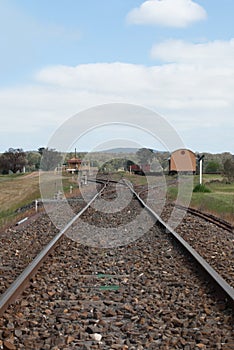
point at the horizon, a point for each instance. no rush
(119, 150)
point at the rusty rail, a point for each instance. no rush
(19, 285)
(211, 218)
(222, 285)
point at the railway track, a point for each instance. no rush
(142, 190)
(142, 294)
(210, 236)
(22, 280)
(209, 217)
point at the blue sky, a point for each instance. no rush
(60, 57)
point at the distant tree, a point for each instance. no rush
(33, 160)
(212, 167)
(79, 155)
(13, 160)
(228, 169)
(156, 166)
(113, 165)
(117, 163)
(94, 163)
(50, 159)
(145, 155)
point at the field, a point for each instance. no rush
(17, 191)
(20, 190)
(219, 201)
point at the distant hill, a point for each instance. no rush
(120, 150)
(124, 150)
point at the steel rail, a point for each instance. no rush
(211, 218)
(219, 281)
(20, 283)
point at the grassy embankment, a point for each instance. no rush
(17, 191)
(219, 201)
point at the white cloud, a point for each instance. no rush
(216, 52)
(171, 13)
(200, 76)
(106, 78)
(190, 92)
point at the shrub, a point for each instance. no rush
(201, 188)
(229, 169)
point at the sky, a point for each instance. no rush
(59, 58)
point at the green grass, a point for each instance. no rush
(222, 187)
(11, 214)
(10, 177)
(67, 182)
(201, 188)
(220, 200)
(219, 204)
(136, 179)
(172, 193)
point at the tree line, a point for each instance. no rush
(16, 160)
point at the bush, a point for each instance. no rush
(201, 188)
(212, 168)
(229, 169)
